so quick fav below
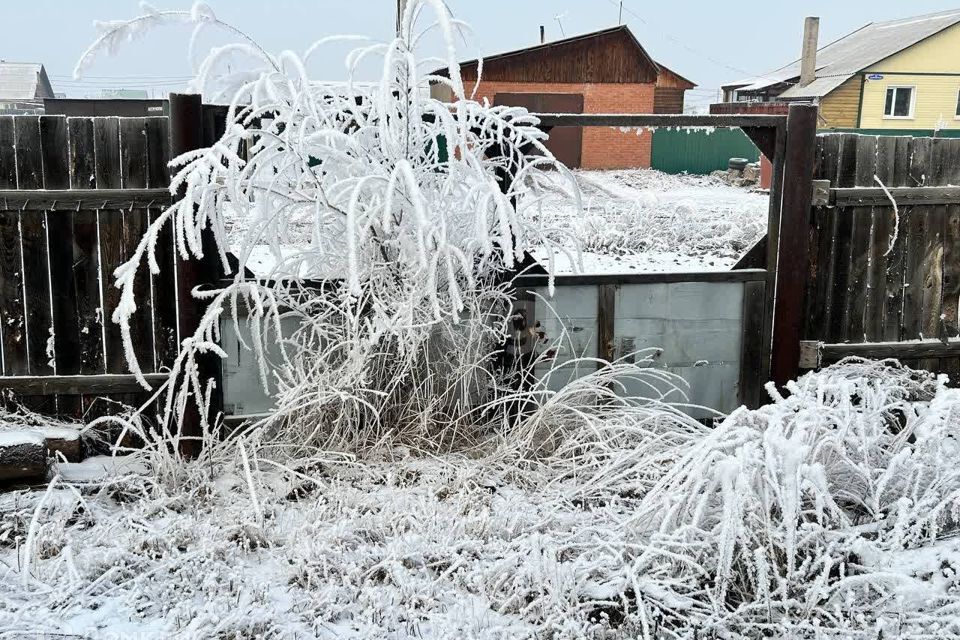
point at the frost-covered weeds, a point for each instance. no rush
(828, 514)
(644, 212)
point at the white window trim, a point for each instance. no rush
(957, 107)
(913, 101)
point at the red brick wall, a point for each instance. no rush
(603, 147)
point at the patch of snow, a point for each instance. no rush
(20, 438)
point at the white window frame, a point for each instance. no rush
(913, 101)
(956, 108)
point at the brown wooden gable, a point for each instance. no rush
(613, 55)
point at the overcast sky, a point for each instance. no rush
(708, 41)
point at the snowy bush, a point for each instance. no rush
(398, 341)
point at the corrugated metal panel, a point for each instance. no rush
(698, 151)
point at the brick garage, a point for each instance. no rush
(603, 72)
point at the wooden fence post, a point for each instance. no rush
(186, 134)
(793, 256)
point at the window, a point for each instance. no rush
(899, 103)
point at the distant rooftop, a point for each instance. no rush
(24, 81)
(838, 61)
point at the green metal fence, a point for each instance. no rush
(699, 151)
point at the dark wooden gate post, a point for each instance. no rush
(186, 134)
(793, 256)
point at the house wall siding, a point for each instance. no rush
(933, 68)
(603, 147)
(839, 109)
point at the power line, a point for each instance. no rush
(681, 43)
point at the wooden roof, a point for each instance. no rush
(612, 55)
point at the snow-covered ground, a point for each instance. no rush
(641, 220)
(829, 514)
(633, 221)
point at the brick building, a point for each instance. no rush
(602, 72)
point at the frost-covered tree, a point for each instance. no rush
(393, 206)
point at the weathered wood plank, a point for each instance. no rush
(56, 175)
(659, 120)
(86, 251)
(12, 315)
(165, 307)
(846, 176)
(915, 245)
(82, 384)
(822, 262)
(881, 233)
(751, 348)
(859, 250)
(8, 158)
(950, 324)
(133, 159)
(903, 196)
(922, 349)
(37, 295)
(110, 233)
(893, 300)
(29, 154)
(606, 301)
(71, 200)
(932, 300)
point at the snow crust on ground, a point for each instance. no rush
(19, 437)
(634, 221)
(643, 220)
(832, 513)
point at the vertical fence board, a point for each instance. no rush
(110, 231)
(11, 285)
(133, 159)
(951, 251)
(861, 220)
(819, 309)
(164, 283)
(8, 159)
(893, 300)
(915, 249)
(845, 177)
(66, 327)
(86, 250)
(881, 231)
(932, 298)
(33, 244)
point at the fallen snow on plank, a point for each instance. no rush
(832, 513)
(648, 221)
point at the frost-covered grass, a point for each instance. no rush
(831, 513)
(649, 220)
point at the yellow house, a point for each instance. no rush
(902, 74)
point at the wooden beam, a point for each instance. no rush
(186, 134)
(903, 196)
(912, 349)
(77, 385)
(764, 137)
(751, 382)
(743, 275)
(793, 260)
(658, 120)
(75, 199)
(606, 303)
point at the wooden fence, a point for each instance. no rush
(885, 283)
(76, 196)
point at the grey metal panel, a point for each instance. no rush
(243, 392)
(695, 326)
(570, 317)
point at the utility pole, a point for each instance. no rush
(401, 7)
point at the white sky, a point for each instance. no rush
(708, 41)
